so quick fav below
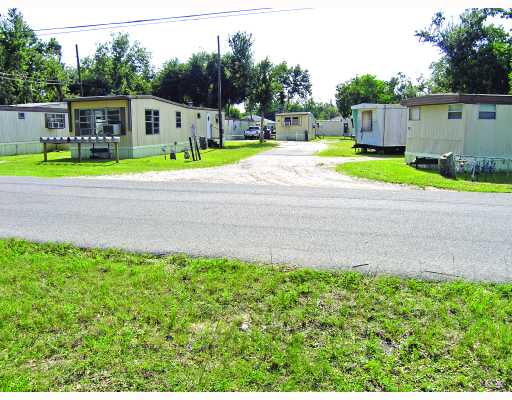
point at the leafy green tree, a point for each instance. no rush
(362, 89)
(319, 109)
(403, 88)
(263, 89)
(117, 67)
(169, 82)
(476, 54)
(238, 66)
(30, 69)
(294, 84)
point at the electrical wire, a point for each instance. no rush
(179, 20)
(56, 83)
(150, 19)
(25, 76)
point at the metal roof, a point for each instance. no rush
(295, 113)
(34, 108)
(453, 98)
(363, 106)
(138, 96)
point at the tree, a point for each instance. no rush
(362, 89)
(403, 88)
(118, 67)
(169, 81)
(31, 70)
(263, 89)
(476, 54)
(239, 63)
(320, 110)
(294, 84)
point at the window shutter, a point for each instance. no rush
(77, 122)
(122, 116)
(46, 120)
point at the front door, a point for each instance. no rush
(208, 126)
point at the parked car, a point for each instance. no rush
(253, 132)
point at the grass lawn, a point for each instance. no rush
(396, 171)
(338, 147)
(342, 147)
(60, 164)
(74, 319)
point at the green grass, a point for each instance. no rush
(338, 147)
(89, 320)
(60, 164)
(342, 147)
(396, 171)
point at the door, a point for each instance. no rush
(208, 126)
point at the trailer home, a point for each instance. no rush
(297, 126)
(380, 126)
(21, 126)
(144, 123)
(475, 127)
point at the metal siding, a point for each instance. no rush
(434, 133)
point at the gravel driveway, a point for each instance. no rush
(290, 164)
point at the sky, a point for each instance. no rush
(334, 40)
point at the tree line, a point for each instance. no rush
(32, 71)
(476, 58)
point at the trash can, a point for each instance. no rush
(203, 143)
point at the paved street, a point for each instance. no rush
(431, 234)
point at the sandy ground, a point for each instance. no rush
(290, 164)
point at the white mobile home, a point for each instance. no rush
(295, 126)
(380, 126)
(472, 126)
(22, 125)
(144, 123)
(335, 127)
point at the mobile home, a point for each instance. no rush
(144, 123)
(472, 126)
(21, 126)
(380, 126)
(338, 126)
(295, 126)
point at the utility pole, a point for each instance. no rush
(219, 94)
(79, 72)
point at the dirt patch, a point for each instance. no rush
(290, 164)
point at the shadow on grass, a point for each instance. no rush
(498, 177)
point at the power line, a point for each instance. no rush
(181, 20)
(25, 76)
(56, 83)
(151, 19)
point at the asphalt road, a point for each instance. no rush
(430, 234)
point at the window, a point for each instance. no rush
(455, 111)
(152, 122)
(178, 119)
(296, 121)
(366, 117)
(287, 121)
(101, 121)
(487, 111)
(414, 114)
(198, 115)
(21, 115)
(55, 120)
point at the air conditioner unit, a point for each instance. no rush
(113, 129)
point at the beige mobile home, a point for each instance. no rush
(144, 123)
(472, 126)
(22, 125)
(380, 126)
(295, 126)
